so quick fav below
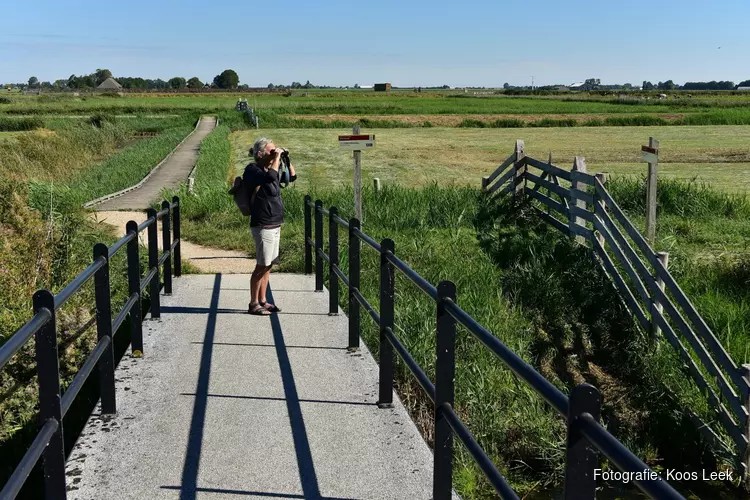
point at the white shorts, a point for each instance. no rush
(266, 245)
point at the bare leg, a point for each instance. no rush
(264, 285)
(256, 283)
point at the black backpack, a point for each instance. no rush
(242, 198)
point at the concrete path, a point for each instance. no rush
(227, 405)
(171, 174)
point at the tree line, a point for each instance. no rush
(227, 79)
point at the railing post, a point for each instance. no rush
(48, 378)
(520, 168)
(134, 286)
(333, 250)
(656, 307)
(445, 370)
(166, 244)
(579, 165)
(102, 296)
(318, 246)
(746, 451)
(308, 235)
(581, 459)
(176, 223)
(387, 282)
(354, 307)
(599, 204)
(153, 262)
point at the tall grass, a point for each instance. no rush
(8, 124)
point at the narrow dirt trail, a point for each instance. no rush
(205, 259)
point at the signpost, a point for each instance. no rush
(357, 143)
(650, 155)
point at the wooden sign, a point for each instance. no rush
(356, 142)
(649, 155)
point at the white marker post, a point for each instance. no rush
(357, 143)
(650, 155)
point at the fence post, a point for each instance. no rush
(746, 451)
(519, 181)
(333, 249)
(376, 184)
(599, 204)
(176, 223)
(48, 378)
(579, 165)
(581, 459)
(387, 282)
(656, 307)
(354, 308)
(485, 182)
(318, 246)
(153, 262)
(653, 174)
(308, 235)
(103, 298)
(134, 286)
(445, 370)
(166, 245)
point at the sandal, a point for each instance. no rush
(270, 307)
(258, 310)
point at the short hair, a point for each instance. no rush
(260, 145)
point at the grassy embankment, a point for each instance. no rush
(47, 239)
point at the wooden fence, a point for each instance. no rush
(579, 205)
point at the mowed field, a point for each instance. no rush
(718, 155)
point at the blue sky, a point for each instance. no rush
(407, 43)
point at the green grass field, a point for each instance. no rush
(415, 157)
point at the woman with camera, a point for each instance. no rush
(263, 182)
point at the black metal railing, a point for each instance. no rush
(53, 406)
(585, 434)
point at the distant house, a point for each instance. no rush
(382, 87)
(110, 84)
(743, 88)
(577, 86)
(368, 87)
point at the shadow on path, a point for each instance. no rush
(189, 483)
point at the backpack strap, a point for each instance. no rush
(252, 196)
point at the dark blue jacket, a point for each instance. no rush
(268, 208)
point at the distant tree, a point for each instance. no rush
(244, 86)
(47, 85)
(712, 85)
(194, 83)
(308, 85)
(648, 85)
(506, 85)
(668, 85)
(100, 75)
(228, 79)
(356, 85)
(746, 83)
(33, 82)
(270, 85)
(177, 82)
(60, 84)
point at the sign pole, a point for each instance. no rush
(650, 155)
(357, 179)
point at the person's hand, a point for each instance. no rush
(275, 159)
